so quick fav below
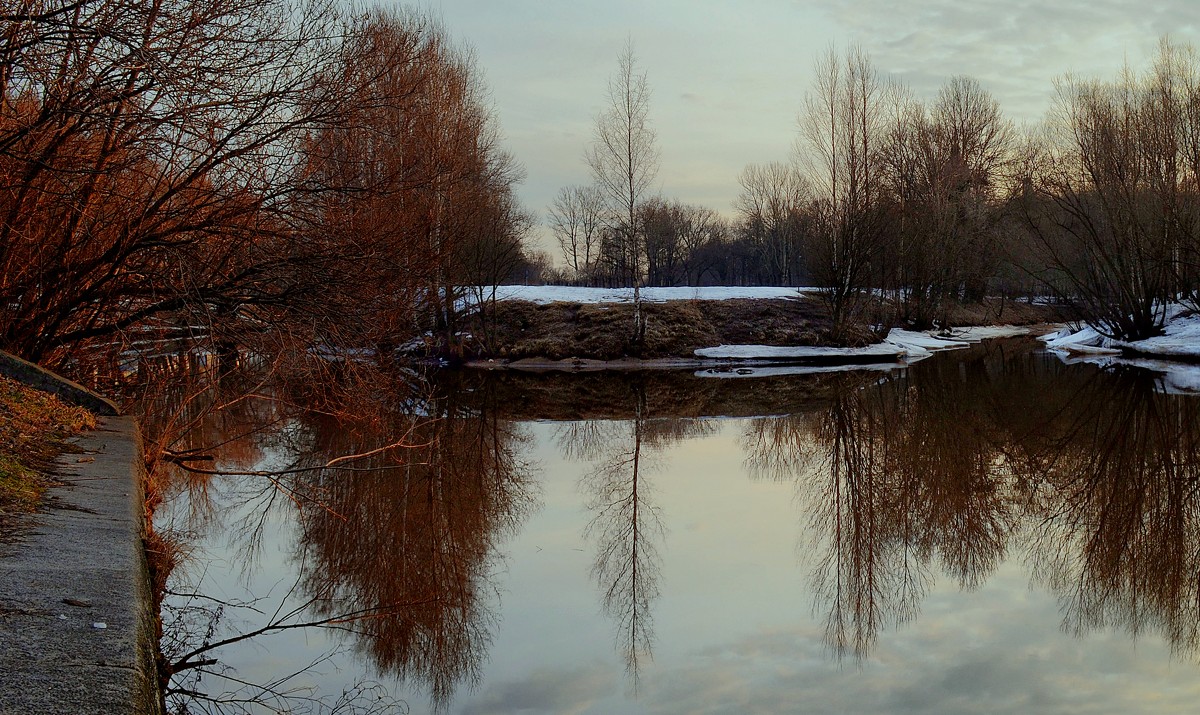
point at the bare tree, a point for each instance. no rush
(624, 162)
(662, 223)
(412, 188)
(945, 166)
(206, 171)
(701, 230)
(494, 252)
(1114, 206)
(575, 219)
(770, 205)
(975, 144)
(842, 127)
(147, 152)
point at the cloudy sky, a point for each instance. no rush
(729, 78)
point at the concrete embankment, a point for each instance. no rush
(39, 378)
(76, 621)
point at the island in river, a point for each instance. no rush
(588, 328)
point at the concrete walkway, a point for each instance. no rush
(76, 623)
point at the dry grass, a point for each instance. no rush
(34, 428)
(604, 332)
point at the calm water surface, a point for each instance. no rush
(987, 531)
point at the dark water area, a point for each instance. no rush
(989, 530)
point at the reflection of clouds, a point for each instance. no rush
(999, 652)
(551, 691)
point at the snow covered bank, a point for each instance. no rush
(900, 345)
(1180, 339)
(720, 326)
(1169, 354)
(987, 332)
(902, 348)
(579, 294)
(921, 345)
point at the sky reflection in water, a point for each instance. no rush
(980, 533)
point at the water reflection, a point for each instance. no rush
(899, 478)
(399, 518)
(413, 540)
(1119, 537)
(947, 467)
(626, 525)
(627, 528)
(939, 473)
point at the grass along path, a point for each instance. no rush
(34, 429)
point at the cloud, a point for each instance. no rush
(984, 652)
(1015, 48)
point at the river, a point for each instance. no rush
(989, 530)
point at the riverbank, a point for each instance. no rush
(1180, 339)
(77, 624)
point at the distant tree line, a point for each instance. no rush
(252, 174)
(932, 203)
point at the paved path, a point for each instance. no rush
(93, 654)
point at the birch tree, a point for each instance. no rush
(624, 162)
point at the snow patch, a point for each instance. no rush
(907, 344)
(921, 344)
(987, 332)
(1182, 380)
(1175, 378)
(1086, 340)
(581, 294)
(1180, 338)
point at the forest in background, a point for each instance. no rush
(930, 202)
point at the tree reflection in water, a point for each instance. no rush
(400, 513)
(1119, 532)
(413, 538)
(948, 465)
(897, 477)
(625, 523)
(940, 471)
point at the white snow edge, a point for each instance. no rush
(1180, 338)
(544, 295)
(908, 344)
